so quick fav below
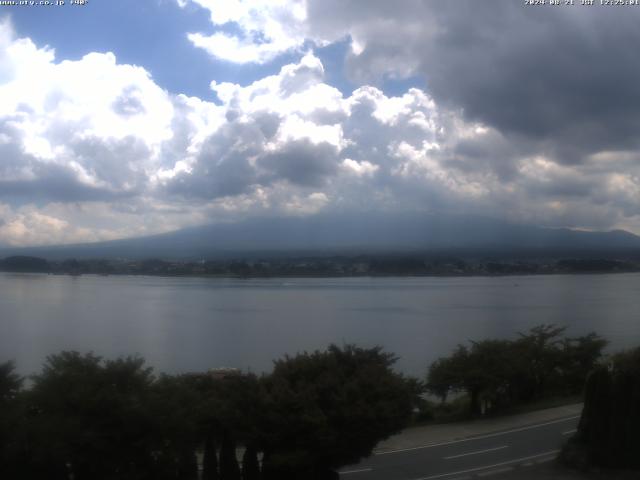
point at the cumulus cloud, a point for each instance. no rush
(561, 77)
(100, 151)
(94, 127)
(267, 28)
(293, 131)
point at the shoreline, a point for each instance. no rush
(327, 276)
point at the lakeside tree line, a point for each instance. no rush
(86, 418)
(498, 374)
(380, 264)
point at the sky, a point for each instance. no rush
(123, 118)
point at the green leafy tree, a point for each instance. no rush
(539, 356)
(499, 373)
(176, 408)
(329, 409)
(446, 374)
(579, 356)
(483, 371)
(228, 410)
(89, 418)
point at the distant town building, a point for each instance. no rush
(224, 372)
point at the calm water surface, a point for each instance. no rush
(187, 324)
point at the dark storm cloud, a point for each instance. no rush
(565, 76)
(222, 167)
(560, 83)
(24, 177)
(562, 187)
(302, 163)
(57, 183)
(487, 153)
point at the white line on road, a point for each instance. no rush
(490, 435)
(545, 460)
(477, 452)
(570, 432)
(495, 472)
(486, 467)
(362, 470)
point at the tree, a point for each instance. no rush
(175, 405)
(90, 417)
(483, 371)
(10, 427)
(579, 356)
(10, 383)
(210, 459)
(24, 264)
(446, 374)
(539, 357)
(329, 409)
(610, 421)
(229, 468)
(250, 465)
(498, 373)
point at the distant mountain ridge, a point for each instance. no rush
(338, 233)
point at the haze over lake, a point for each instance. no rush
(192, 324)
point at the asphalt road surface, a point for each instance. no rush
(475, 457)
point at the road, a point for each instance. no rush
(475, 457)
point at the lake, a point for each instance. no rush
(192, 324)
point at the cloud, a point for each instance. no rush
(271, 135)
(267, 28)
(561, 77)
(100, 151)
(92, 130)
(293, 131)
(103, 135)
(28, 226)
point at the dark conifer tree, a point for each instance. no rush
(188, 466)
(210, 460)
(229, 468)
(610, 420)
(250, 465)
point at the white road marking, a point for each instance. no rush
(495, 472)
(477, 452)
(570, 432)
(362, 470)
(545, 460)
(490, 435)
(486, 467)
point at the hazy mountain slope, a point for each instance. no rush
(347, 232)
